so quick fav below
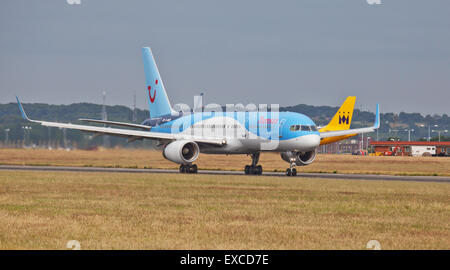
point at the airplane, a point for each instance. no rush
(183, 136)
(340, 121)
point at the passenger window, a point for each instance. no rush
(302, 128)
(295, 127)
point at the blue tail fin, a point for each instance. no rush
(377, 117)
(157, 96)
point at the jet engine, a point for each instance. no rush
(299, 158)
(181, 152)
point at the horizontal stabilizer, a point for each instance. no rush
(375, 126)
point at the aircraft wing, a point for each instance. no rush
(144, 127)
(131, 134)
(376, 125)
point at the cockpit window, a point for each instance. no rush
(303, 128)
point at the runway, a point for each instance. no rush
(440, 179)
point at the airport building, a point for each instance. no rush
(416, 148)
(349, 146)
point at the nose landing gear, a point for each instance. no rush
(291, 171)
(254, 169)
(188, 168)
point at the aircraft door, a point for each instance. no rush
(282, 122)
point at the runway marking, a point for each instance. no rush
(440, 179)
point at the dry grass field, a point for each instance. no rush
(169, 211)
(270, 161)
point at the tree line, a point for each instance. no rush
(18, 131)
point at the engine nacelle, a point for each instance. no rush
(300, 158)
(181, 152)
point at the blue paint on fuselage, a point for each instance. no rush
(275, 126)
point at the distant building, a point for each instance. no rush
(342, 147)
(418, 148)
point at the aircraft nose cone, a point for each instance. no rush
(309, 142)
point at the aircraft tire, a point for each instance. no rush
(288, 172)
(259, 169)
(193, 169)
(247, 169)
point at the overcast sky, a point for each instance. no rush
(288, 52)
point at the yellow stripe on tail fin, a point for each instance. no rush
(343, 118)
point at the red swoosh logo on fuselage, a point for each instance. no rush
(152, 99)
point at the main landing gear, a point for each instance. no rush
(254, 169)
(188, 168)
(291, 171)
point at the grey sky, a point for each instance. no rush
(288, 52)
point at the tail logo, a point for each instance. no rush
(152, 99)
(343, 119)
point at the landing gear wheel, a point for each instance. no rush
(291, 172)
(193, 169)
(254, 169)
(288, 172)
(189, 168)
(247, 169)
(259, 169)
(294, 171)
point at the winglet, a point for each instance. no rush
(24, 115)
(377, 118)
